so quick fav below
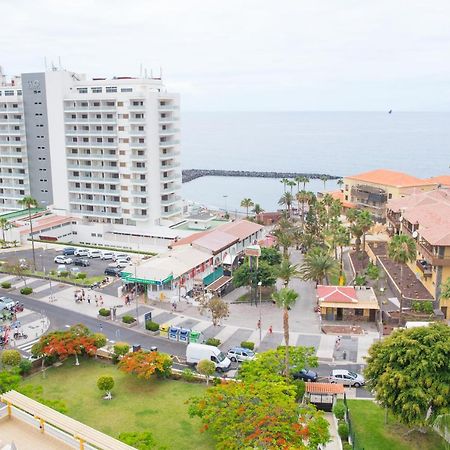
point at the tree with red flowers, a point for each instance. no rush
(145, 364)
(259, 415)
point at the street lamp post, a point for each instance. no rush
(260, 315)
(136, 262)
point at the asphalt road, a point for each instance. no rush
(60, 319)
(45, 260)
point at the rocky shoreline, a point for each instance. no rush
(192, 174)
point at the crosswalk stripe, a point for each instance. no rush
(27, 345)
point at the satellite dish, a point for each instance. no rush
(415, 234)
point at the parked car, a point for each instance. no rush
(75, 270)
(82, 262)
(61, 268)
(305, 375)
(61, 259)
(107, 255)
(81, 252)
(69, 251)
(347, 378)
(121, 256)
(197, 352)
(241, 354)
(23, 263)
(8, 303)
(122, 263)
(112, 271)
(94, 253)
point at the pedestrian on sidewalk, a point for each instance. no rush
(96, 300)
(258, 325)
(270, 329)
(89, 299)
(101, 300)
(82, 294)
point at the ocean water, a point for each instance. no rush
(337, 143)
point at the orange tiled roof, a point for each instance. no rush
(442, 179)
(390, 178)
(47, 223)
(189, 239)
(241, 229)
(324, 388)
(339, 195)
(337, 294)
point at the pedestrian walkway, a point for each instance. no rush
(240, 326)
(335, 442)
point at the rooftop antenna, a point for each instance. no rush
(140, 71)
(145, 74)
(45, 63)
(54, 68)
(59, 61)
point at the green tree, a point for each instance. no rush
(141, 440)
(11, 358)
(265, 274)
(402, 249)
(318, 266)
(302, 198)
(445, 290)
(284, 182)
(291, 184)
(342, 239)
(100, 339)
(259, 415)
(284, 240)
(30, 203)
(270, 255)
(409, 373)
(340, 183)
(216, 307)
(271, 365)
(247, 203)
(365, 222)
(285, 298)
(207, 368)
(286, 271)
(257, 209)
(105, 383)
(324, 179)
(303, 180)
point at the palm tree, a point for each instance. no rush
(340, 183)
(4, 225)
(402, 249)
(285, 181)
(29, 203)
(365, 222)
(319, 266)
(324, 178)
(301, 179)
(285, 298)
(357, 232)
(342, 240)
(247, 203)
(284, 239)
(287, 199)
(257, 209)
(286, 271)
(302, 197)
(291, 184)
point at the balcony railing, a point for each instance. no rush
(435, 260)
(424, 267)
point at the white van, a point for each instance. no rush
(95, 253)
(197, 352)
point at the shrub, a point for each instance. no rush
(100, 339)
(81, 276)
(188, 375)
(25, 367)
(105, 383)
(151, 326)
(142, 440)
(213, 341)
(128, 319)
(104, 312)
(343, 431)
(339, 410)
(26, 291)
(6, 285)
(421, 306)
(216, 381)
(121, 348)
(347, 446)
(248, 344)
(11, 357)
(64, 274)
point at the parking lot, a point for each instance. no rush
(45, 260)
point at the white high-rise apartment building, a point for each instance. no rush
(103, 150)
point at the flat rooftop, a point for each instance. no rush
(25, 436)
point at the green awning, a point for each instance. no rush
(129, 278)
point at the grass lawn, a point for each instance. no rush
(372, 433)
(137, 405)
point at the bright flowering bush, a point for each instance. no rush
(145, 364)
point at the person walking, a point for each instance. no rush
(270, 329)
(101, 300)
(258, 325)
(96, 300)
(89, 299)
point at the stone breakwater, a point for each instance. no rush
(192, 174)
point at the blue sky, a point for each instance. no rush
(247, 54)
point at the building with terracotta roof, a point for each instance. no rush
(426, 218)
(443, 180)
(371, 190)
(353, 303)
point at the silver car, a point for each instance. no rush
(347, 378)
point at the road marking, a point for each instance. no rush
(26, 347)
(201, 326)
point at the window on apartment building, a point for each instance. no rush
(109, 116)
(98, 116)
(139, 116)
(143, 188)
(85, 139)
(126, 211)
(74, 139)
(111, 88)
(101, 186)
(112, 187)
(88, 185)
(110, 103)
(122, 152)
(96, 90)
(99, 139)
(21, 182)
(21, 192)
(82, 90)
(142, 177)
(116, 199)
(119, 103)
(126, 176)
(110, 128)
(113, 210)
(96, 104)
(122, 164)
(126, 90)
(84, 104)
(77, 185)
(124, 188)
(9, 93)
(143, 200)
(141, 152)
(143, 212)
(140, 128)
(73, 116)
(111, 140)
(121, 128)
(84, 116)
(141, 141)
(124, 140)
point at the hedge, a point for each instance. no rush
(248, 344)
(6, 285)
(151, 326)
(26, 291)
(128, 319)
(104, 312)
(213, 341)
(343, 431)
(339, 410)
